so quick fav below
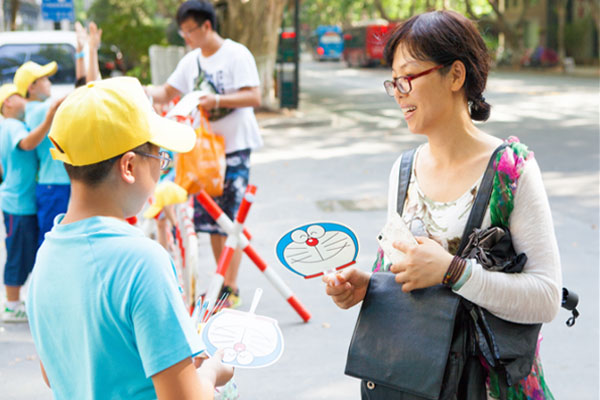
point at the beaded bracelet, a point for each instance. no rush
(455, 270)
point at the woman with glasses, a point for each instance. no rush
(440, 66)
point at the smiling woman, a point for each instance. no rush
(441, 190)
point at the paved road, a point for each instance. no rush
(331, 162)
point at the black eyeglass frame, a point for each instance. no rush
(392, 85)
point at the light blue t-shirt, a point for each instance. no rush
(51, 172)
(105, 311)
(17, 192)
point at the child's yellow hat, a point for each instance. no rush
(29, 72)
(165, 193)
(7, 90)
(107, 118)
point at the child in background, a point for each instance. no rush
(17, 195)
(108, 320)
(52, 189)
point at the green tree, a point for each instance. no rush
(132, 25)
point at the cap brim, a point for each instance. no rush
(171, 135)
(48, 69)
(152, 211)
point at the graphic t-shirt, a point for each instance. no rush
(231, 68)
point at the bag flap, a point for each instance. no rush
(415, 360)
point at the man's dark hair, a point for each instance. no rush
(198, 10)
(94, 174)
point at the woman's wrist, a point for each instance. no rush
(455, 271)
(79, 54)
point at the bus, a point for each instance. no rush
(327, 43)
(364, 43)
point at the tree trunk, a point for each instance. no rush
(14, 9)
(513, 33)
(256, 23)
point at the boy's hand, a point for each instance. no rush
(213, 369)
(95, 36)
(350, 288)
(54, 106)
(424, 264)
(81, 36)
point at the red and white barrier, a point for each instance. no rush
(237, 236)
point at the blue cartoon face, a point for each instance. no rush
(312, 249)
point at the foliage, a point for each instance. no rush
(133, 26)
(347, 12)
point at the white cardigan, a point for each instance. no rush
(533, 296)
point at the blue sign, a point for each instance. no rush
(57, 10)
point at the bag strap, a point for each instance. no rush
(404, 178)
(482, 199)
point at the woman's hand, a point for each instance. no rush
(348, 287)
(424, 264)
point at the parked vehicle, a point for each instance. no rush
(327, 43)
(41, 47)
(111, 61)
(364, 43)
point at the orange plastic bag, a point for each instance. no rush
(203, 167)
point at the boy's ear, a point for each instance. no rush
(125, 165)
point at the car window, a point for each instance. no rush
(13, 55)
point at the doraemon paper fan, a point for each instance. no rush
(248, 340)
(313, 249)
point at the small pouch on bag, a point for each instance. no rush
(414, 365)
(203, 167)
(506, 345)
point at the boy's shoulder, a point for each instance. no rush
(12, 125)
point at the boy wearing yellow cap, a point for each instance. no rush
(17, 196)
(105, 311)
(52, 189)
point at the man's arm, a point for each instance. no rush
(38, 134)
(245, 97)
(163, 93)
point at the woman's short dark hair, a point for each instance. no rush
(444, 37)
(95, 174)
(198, 10)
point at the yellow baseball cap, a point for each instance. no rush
(107, 118)
(166, 193)
(7, 90)
(29, 72)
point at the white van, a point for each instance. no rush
(41, 47)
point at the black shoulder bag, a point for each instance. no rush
(426, 344)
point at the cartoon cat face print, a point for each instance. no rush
(315, 248)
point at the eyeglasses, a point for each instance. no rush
(403, 83)
(163, 156)
(183, 34)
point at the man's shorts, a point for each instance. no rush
(21, 247)
(236, 181)
(50, 200)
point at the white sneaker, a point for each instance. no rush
(17, 314)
